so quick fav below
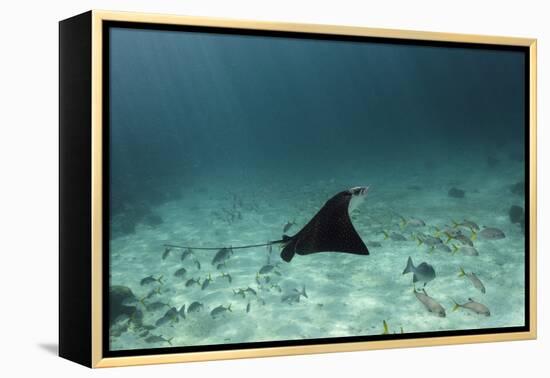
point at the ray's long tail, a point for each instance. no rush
(218, 248)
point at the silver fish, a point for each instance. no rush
(449, 232)
(291, 298)
(158, 339)
(180, 272)
(474, 306)
(294, 297)
(181, 311)
(206, 282)
(428, 240)
(220, 310)
(118, 329)
(195, 307)
(192, 281)
(137, 318)
(491, 233)
(150, 279)
(162, 321)
(155, 306)
(251, 291)
(228, 276)
(150, 294)
(288, 225)
(266, 269)
(466, 250)
(374, 244)
(423, 273)
(394, 236)
(240, 292)
(473, 279)
(466, 223)
(186, 253)
(431, 304)
(173, 314)
(443, 248)
(464, 240)
(222, 256)
(412, 222)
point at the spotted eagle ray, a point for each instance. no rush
(330, 230)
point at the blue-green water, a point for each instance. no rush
(220, 140)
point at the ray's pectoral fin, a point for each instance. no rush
(288, 248)
(330, 230)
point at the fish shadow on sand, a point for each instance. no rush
(51, 348)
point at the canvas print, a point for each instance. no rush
(275, 188)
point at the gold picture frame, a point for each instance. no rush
(92, 24)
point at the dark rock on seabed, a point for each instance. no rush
(456, 193)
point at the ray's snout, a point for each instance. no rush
(359, 190)
(358, 195)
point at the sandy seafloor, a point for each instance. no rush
(348, 295)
